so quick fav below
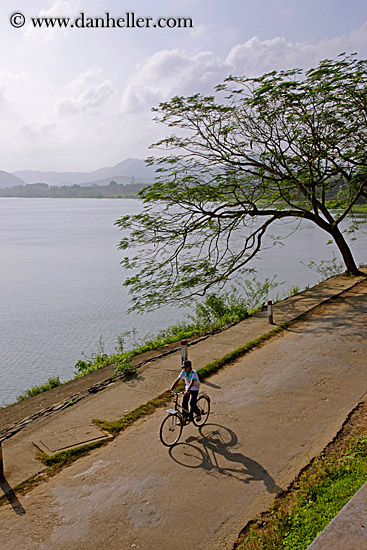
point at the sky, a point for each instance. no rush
(78, 99)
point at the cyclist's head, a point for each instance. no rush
(187, 366)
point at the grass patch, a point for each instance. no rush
(359, 208)
(163, 399)
(211, 315)
(54, 464)
(315, 498)
(64, 458)
(52, 382)
(215, 366)
(121, 424)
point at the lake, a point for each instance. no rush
(61, 283)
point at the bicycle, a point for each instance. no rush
(172, 426)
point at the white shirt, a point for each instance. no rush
(192, 376)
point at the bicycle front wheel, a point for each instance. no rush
(171, 429)
(203, 404)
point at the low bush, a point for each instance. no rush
(51, 383)
(212, 314)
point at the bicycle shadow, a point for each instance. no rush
(11, 497)
(212, 452)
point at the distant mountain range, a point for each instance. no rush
(9, 180)
(128, 171)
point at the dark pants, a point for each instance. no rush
(193, 406)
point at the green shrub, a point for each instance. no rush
(214, 312)
(319, 494)
(35, 390)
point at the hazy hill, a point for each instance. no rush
(133, 169)
(9, 180)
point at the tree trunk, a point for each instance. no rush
(345, 251)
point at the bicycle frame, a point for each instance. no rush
(178, 407)
(171, 427)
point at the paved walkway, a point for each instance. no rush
(63, 425)
(111, 403)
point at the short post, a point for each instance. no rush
(183, 351)
(270, 312)
(1, 462)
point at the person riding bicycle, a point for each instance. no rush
(192, 386)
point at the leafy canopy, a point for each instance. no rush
(283, 145)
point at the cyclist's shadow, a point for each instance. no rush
(211, 447)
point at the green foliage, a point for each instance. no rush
(221, 309)
(215, 366)
(123, 364)
(121, 361)
(293, 290)
(326, 268)
(211, 314)
(335, 204)
(121, 424)
(52, 382)
(233, 305)
(288, 144)
(65, 458)
(214, 312)
(319, 495)
(117, 426)
(96, 361)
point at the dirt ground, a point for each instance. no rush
(272, 412)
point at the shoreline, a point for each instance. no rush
(69, 393)
(312, 309)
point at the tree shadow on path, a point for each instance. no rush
(212, 451)
(12, 497)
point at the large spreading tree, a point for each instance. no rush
(290, 144)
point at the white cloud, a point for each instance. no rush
(87, 124)
(170, 72)
(258, 56)
(174, 72)
(90, 92)
(355, 41)
(39, 132)
(207, 37)
(13, 97)
(91, 99)
(60, 8)
(202, 31)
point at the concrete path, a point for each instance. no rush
(272, 411)
(153, 378)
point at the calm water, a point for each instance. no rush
(61, 283)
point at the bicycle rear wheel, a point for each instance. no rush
(203, 404)
(171, 429)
